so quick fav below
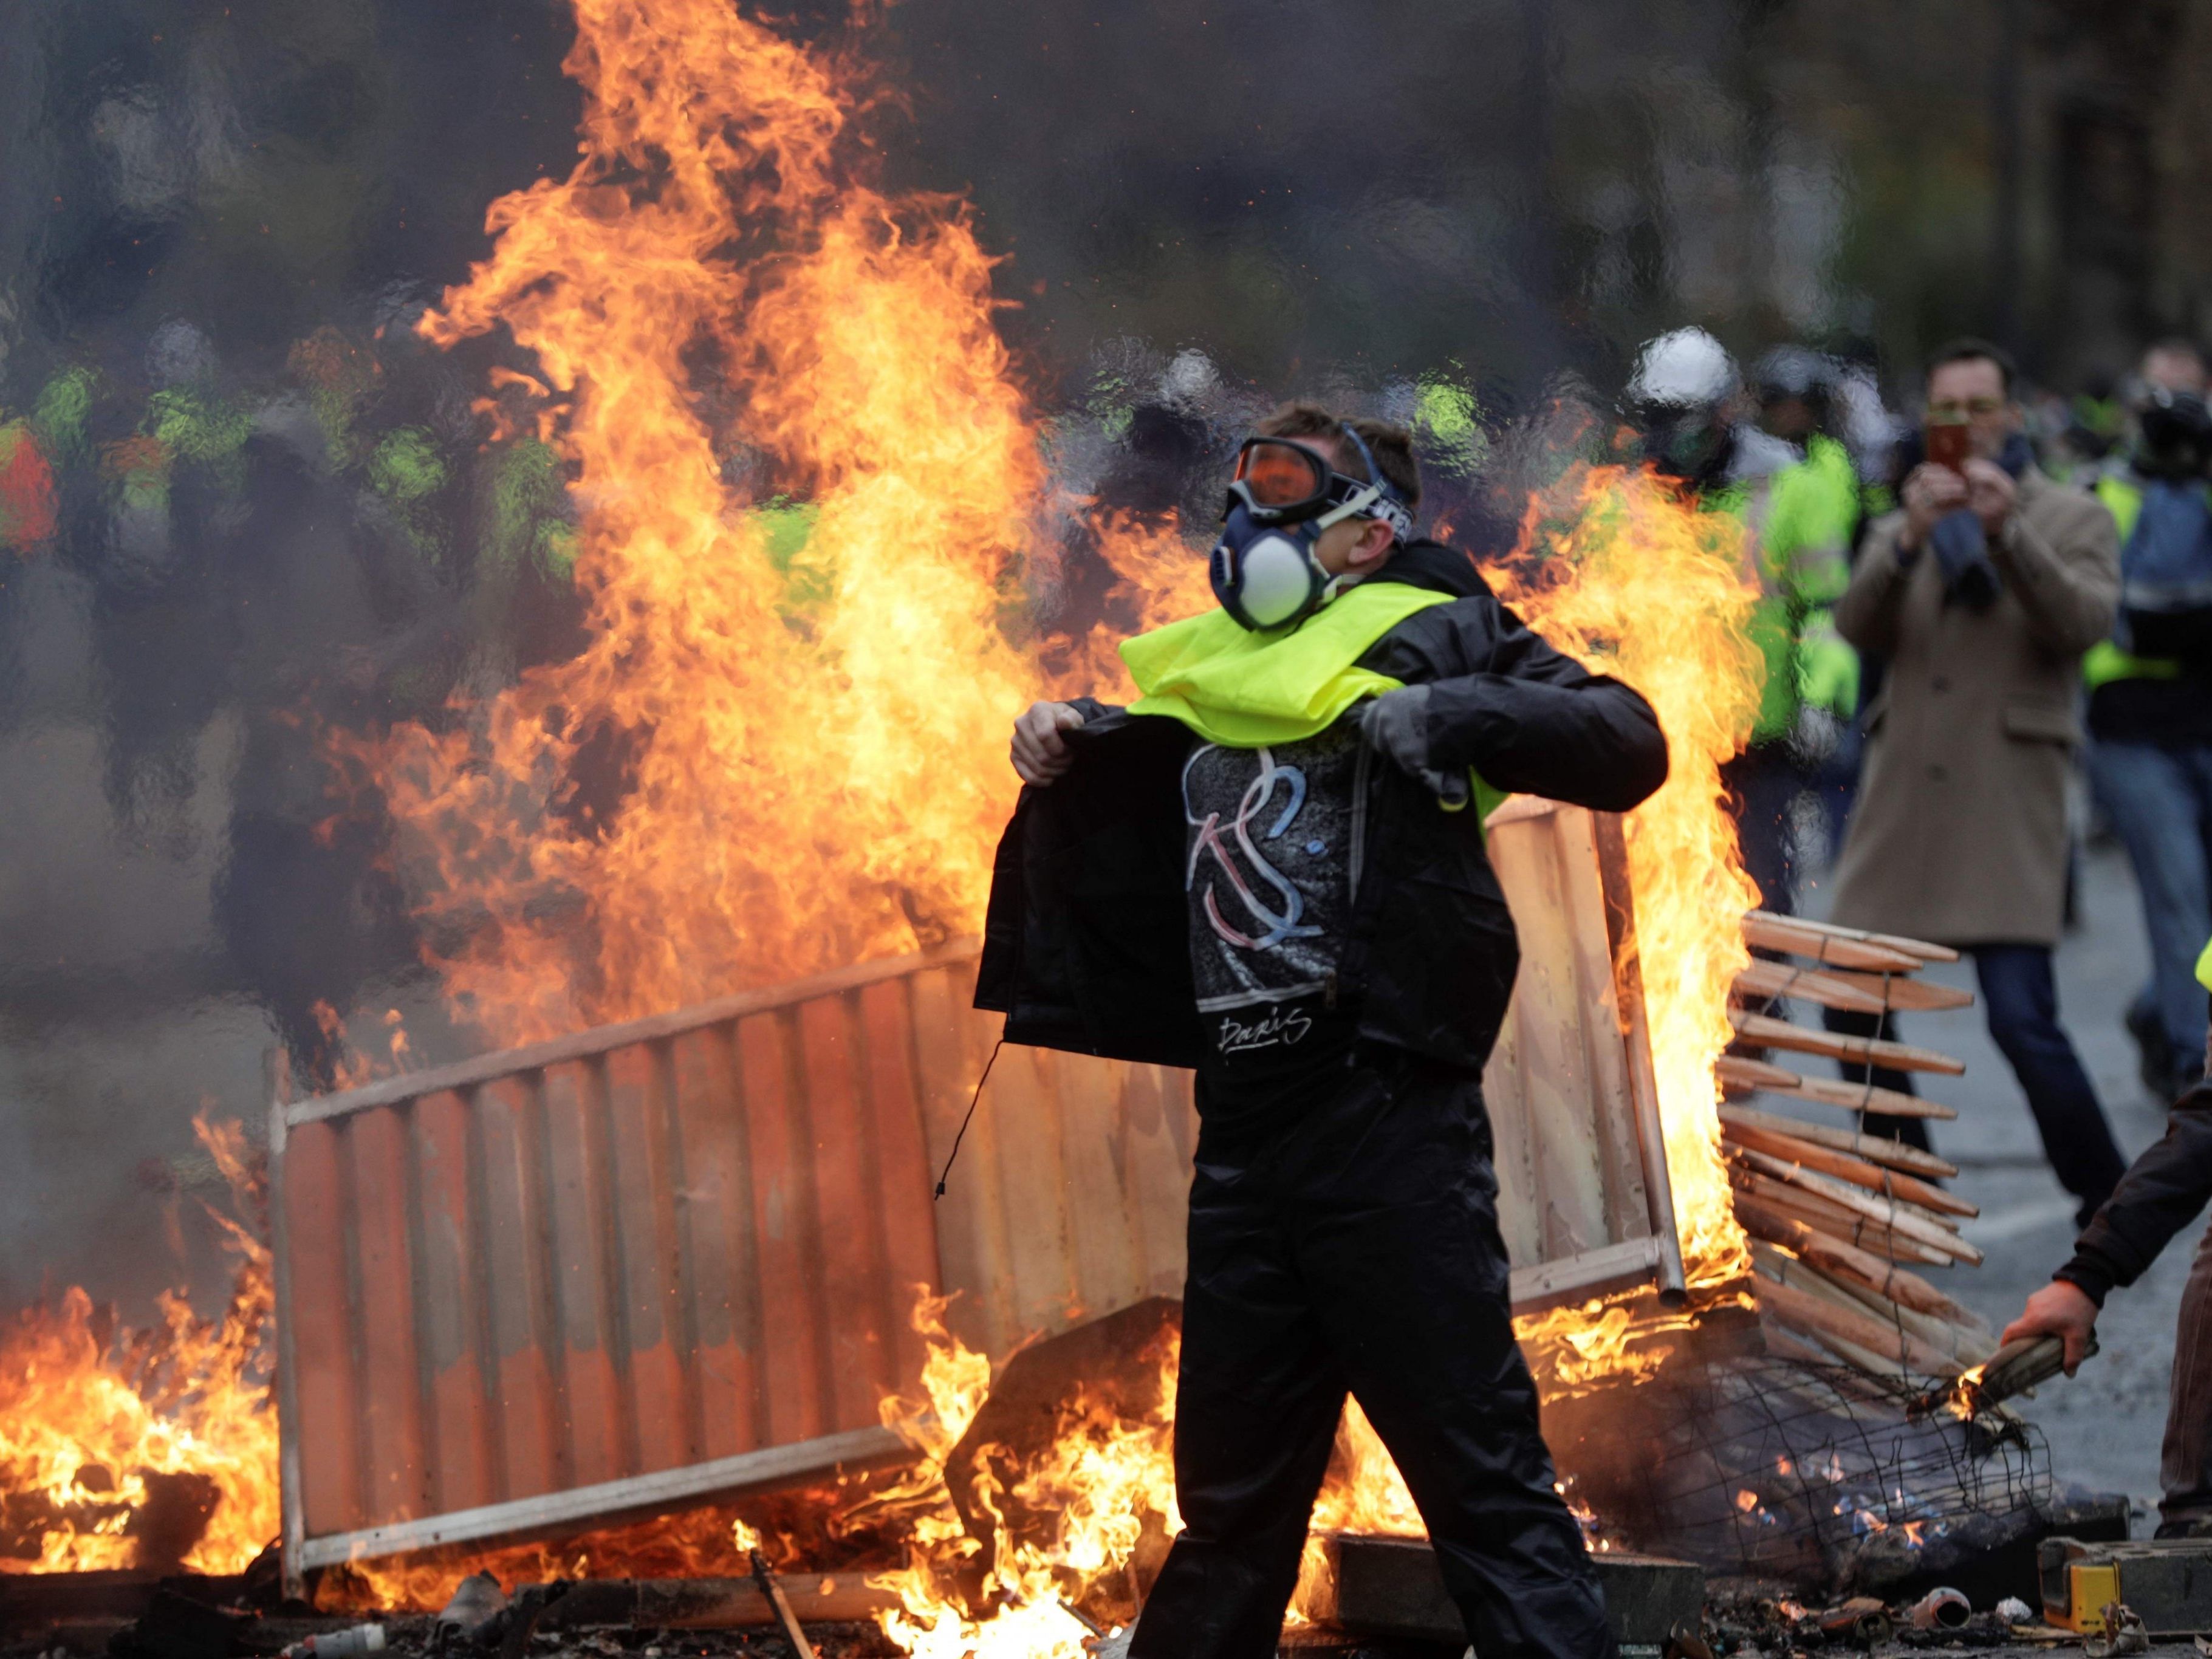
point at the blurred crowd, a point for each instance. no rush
(1937, 734)
(1987, 627)
(1985, 610)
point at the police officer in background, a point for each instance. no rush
(1805, 536)
(1797, 493)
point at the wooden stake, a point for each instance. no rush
(1908, 1342)
(780, 1604)
(1969, 1342)
(1841, 988)
(1754, 1190)
(1909, 994)
(1844, 1167)
(1772, 933)
(1851, 1264)
(1786, 1343)
(1768, 1032)
(1875, 1149)
(1763, 981)
(1912, 947)
(1908, 1220)
(1738, 1071)
(1867, 1363)
(1796, 1303)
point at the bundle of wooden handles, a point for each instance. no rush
(1838, 1218)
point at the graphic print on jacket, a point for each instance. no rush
(1274, 846)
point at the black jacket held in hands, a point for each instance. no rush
(1086, 944)
(2163, 1191)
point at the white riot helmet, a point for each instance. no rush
(1678, 400)
(1686, 368)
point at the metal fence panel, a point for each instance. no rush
(687, 1247)
(671, 1258)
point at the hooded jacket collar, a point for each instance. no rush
(1431, 565)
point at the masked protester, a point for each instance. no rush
(1680, 403)
(1270, 868)
(1683, 402)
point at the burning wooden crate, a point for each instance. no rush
(654, 1263)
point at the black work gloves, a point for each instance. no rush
(1396, 724)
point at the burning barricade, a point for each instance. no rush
(634, 1298)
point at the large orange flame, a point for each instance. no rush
(809, 700)
(1106, 1481)
(93, 1422)
(810, 509)
(1617, 568)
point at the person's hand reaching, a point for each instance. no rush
(2059, 1309)
(1040, 754)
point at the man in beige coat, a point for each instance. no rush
(1982, 595)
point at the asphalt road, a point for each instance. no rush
(2104, 1425)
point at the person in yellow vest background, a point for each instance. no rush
(1796, 489)
(2150, 716)
(1806, 526)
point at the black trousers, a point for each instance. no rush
(1763, 784)
(2185, 1462)
(1357, 1247)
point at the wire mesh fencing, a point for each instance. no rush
(1817, 1474)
